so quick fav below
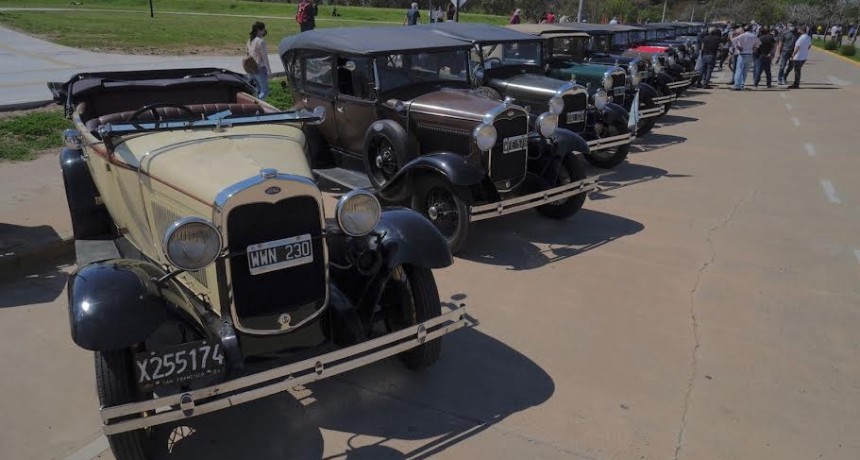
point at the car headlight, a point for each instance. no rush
(635, 78)
(607, 82)
(357, 212)
(192, 243)
(547, 123)
(556, 105)
(600, 99)
(485, 136)
(670, 60)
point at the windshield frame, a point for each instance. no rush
(480, 51)
(381, 60)
(566, 54)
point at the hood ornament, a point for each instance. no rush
(269, 173)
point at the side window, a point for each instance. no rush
(318, 71)
(358, 82)
(294, 72)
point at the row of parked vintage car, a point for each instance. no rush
(208, 273)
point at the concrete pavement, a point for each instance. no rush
(703, 306)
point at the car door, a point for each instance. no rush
(317, 89)
(355, 107)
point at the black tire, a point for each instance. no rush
(489, 93)
(443, 204)
(410, 298)
(90, 220)
(645, 126)
(609, 158)
(386, 152)
(115, 385)
(571, 170)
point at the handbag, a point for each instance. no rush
(250, 65)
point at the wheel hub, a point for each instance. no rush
(433, 213)
(379, 161)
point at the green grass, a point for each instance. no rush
(23, 137)
(819, 43)
(135, 32)
(279, 96)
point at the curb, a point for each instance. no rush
(15, 265)
(26, 105)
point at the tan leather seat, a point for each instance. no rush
(172, 113)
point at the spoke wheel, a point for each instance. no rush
(383, 162)
(609, 158)
(570, 170)
(411, 297)
(442, 204)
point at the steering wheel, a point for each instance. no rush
(153, 109)
(491, 62)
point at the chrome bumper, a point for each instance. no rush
(651, 112)
(693, 74)
(227, 394)
(678, 84)
(533, 200)
(609, 142)
(664, 99)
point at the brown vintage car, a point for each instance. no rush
(407, 123)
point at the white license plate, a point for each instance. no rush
(575, 117)
(513, 144)
(179, 364)
(620, 91)
(280, 254)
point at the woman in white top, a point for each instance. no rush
(257, 49)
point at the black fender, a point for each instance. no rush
(616, 116)
(566, 141)
(451, 165)
(664, 79)
(647, 93)
(90, 219)
(115, 304)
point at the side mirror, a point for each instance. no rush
(72, 139)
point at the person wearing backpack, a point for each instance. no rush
(306, 14)
(257, 61)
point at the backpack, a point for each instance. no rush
(250, 65)
(301, 13)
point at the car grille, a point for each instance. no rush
(261, 300)
(619, 88)
(574, 115)
(507, 170)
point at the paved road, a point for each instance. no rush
(703, 306)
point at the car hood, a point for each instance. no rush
(202, 163)
(584, 73)
(456, 103)
(528, 86)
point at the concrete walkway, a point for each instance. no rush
(28, 63)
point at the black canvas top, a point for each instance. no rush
(606, 28)
(83, 85)
(369, 40)
(481, 33)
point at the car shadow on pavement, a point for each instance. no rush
(655, 141)
(686, 104)
(382, 411)
(29, 269)
(524, 241)
(669, 120)
(33, 289)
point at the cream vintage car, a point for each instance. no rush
(202, 243)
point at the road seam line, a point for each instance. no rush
(810, 149)
(830, 191)
(91, 450)
(796, 121)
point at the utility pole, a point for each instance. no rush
(665, 2)
(579, 12)
(693, 13)
(151, 12)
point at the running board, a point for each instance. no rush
(344, 177)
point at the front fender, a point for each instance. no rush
(568, 141)
(615, 115)
(409, 238)
(647, 93)
(451, 165)
(115, 304)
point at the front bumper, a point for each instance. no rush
(650, 112)
(662, 100)
(532, 200)
(691, 74)
(610, 142)
(132, 416)
(678, 84)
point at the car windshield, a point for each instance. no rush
(502, 54)
(652, 35)
(600, 42)
(620, 39)
(637, 36)
(661, 34)
(399, 70)
(569, 46)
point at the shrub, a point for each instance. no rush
(848, 50)
(830, 45)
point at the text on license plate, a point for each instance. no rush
(619, 91)
(512, 144)
(575, 117)
(179, 364)
(279, 254)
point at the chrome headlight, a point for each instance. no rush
(635, 78)
(600, 99)
(485, 136)
(607, 82)
(657, 66)
(357, 212)
(556, 105)
(192, 243)
(670, 60)
(547, 123)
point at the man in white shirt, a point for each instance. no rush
(745, 43)
(800, 55)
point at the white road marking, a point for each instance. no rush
(830, 191)
(796, 121)
(91, 450)
(838, 81)
(788, 107)
(810, 149)
(857, 254)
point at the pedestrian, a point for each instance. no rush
(839, 36)
(306, 14)
(763, 57)
(745, 43)
(515, 18)
(451, 12)
(784, 51)
(852, 34)
(800, 55)
(710, 48)
(413, 16)
(723, 54)
(439, 15)
(550, 17)
(256, 48)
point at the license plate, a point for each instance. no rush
(280, 254)
(575, 117)
(179, 364)
(513, 144)
(619, 91)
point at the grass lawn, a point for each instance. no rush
(135, 32)
(23, 137)
(279, 96)
(819, 43)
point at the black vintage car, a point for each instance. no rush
(510, 64)
(208, 274)
(408, 124)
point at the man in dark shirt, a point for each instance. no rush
(710, 47)
(763, 57)
(784, 50)
(308, 13)
(413, 16)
